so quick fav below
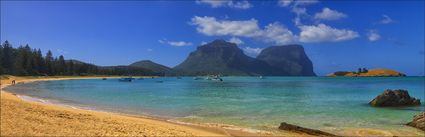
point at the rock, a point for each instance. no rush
(298, 129)
(418, 121)
(394, 98)
(224, 58)
(369, 73)
(291, 60)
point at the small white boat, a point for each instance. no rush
(216, 78)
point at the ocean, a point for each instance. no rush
(331, 104)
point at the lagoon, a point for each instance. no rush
(332, 104)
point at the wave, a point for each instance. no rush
(54, 102)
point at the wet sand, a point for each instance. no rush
(25, 118)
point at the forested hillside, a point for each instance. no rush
(25, 61)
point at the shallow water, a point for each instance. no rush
(325, 103)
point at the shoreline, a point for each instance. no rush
(146, 116)
(198, 129)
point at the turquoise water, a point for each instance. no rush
(325, 103)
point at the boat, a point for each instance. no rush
(216, 78)
(103, 78)
(261, 77)
(126, 79)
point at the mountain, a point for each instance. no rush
(369, 73)
(225, 58)
(110, 70)
(147, 64)
(291, 60)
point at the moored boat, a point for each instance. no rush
(126, 79)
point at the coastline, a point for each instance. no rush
(56, 119)
(72, 118)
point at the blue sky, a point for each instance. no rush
(337, 35)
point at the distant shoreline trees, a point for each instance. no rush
(360, 70)
(25, 61)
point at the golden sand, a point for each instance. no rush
(22, 118)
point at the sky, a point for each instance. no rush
(336, 35)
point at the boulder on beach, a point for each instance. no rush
(298, 129)
(394, 98)
(418, 121)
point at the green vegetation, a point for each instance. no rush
(220, 57)
(147, 64)
(25, 61)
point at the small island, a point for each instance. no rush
(363, 72)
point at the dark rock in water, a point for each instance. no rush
(394, 98)
(291, 60)
(418, 121)
(298, 129)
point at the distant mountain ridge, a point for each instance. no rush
(225, 58)
(221, 57)
(291, 60)
(155, 67)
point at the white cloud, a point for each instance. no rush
(235, 40)
(324, 33)
(252, 51)
(274, 32)
(298, 7)
(61, 51)
(211, 26)
(386, 20)
(203, 43)
(149, 50)
(328, 14)
(179, 43)
(213, 3)
(175, 43)
(286, 3)
(240, 4)
(278, 34)
(373, 35)
(299, 10)
(226, 3)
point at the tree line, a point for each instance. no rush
(26, 61)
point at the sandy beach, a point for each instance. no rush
(21, 117)
(24, 118)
